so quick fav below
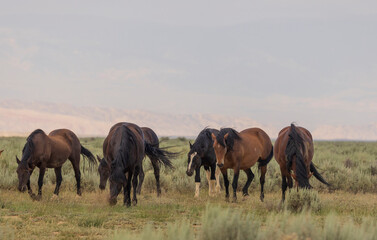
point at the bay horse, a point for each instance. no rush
(240, 151)
(50, 151)
(124, 149)
(294, 152)
(202, 154)
(150, 137)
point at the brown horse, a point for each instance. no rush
(124, 149)
(240, 151)
(104, 166)
(50, 151)
(294, 152)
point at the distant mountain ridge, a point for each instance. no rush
(19, 118)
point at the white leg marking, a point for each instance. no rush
(217, 176)
(197, 188)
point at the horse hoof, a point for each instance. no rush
(262, 197)
(112, 201)
(54, 197)
(38, 197)
(79, 193)
(234, 200)
(245, 194)
(134, 202)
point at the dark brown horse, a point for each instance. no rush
(50, 151)
(104, 167)
(240, 151)
(294, 152)
(124, 149)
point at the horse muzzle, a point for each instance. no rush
(220, 165)
(189, 173)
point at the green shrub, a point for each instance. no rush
(298, 200)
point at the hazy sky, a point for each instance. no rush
(313, 62)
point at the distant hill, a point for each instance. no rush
(18, 118)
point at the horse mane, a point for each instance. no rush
(295, 147)
(122, 157)
(29, 146)
(232, 137)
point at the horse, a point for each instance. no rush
(1, 152)
(124, 149)
(104, 168)
(240, 151)
(202, 154)
(50, 151)
(294, 152)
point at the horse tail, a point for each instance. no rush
(317, 174)
(264, 162)
(163, 156)
(87, 154)
(121, 160)
(296, 148)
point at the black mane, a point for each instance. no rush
(296, 147)
(229, 142)
(204, 137)
(29, 146)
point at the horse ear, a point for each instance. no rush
(99, 159)
(213, 137)
(226, 136)
(1, 151)
(190, 144)
(18, 160)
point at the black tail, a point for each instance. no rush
(264, 162)
(162, 155)
(318, 175)
(295, 148)
(86, 153)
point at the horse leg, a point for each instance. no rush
(235, 183)
(197, 182)
(250, 177)
(262, 180)
(156, 169)
(76, 168)
(127, 190)
(208, 176)
(42, 171)
(226, 184)
(283, 187)
(134, 185)
(212, 181)
(217, 176)
(28, 185)
(59, 179)
(141, 180)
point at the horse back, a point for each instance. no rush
(256, 138)
(150, 136)
(64, 143)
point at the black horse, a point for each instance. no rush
(202, 154)
(124, 149)
(150, 137)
